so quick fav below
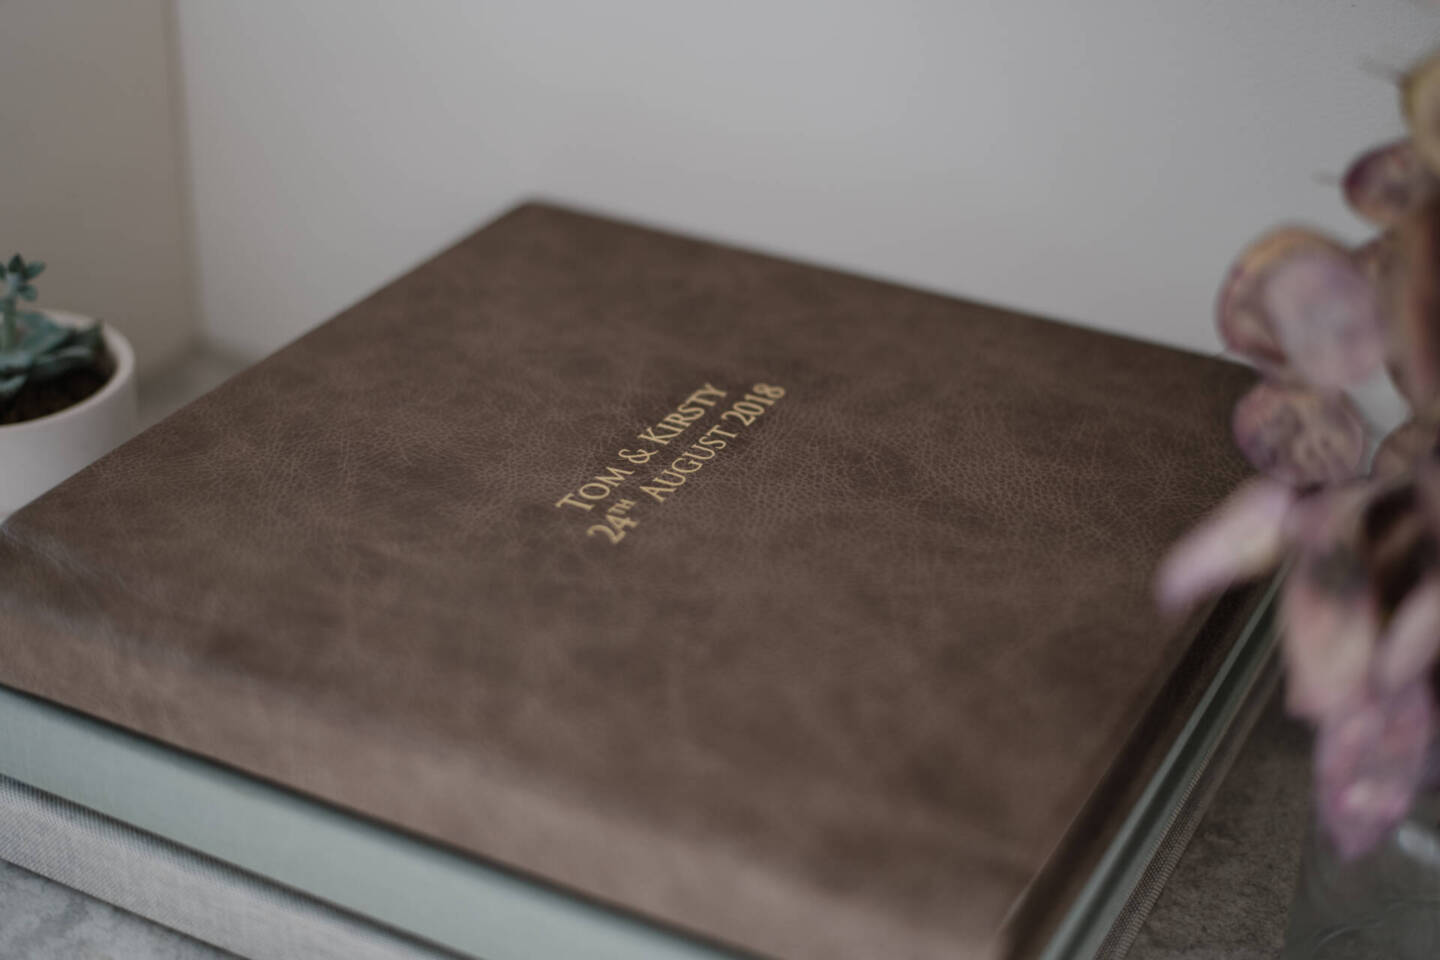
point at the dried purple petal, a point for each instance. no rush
(1420, 100)
(1329, 614)
(1300, 436)
(1242, 316)
(1427, 488)
(1397, 542)
(1330, 628)
(1297, 298)
(1404, 448)
(1370, 760)
(1412, 638)
(1321, 520)
(1326, 314)
(1386, 184)
(1376, 259)
(1413, 309)
(1241, 539)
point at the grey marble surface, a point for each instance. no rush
(41, 920)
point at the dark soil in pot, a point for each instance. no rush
(37, 400)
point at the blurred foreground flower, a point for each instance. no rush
(1360, 610)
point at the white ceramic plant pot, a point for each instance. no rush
(35, 455)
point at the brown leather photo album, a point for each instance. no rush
(801, 614)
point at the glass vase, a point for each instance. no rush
(1382, 906)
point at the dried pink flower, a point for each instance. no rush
(1240, 540)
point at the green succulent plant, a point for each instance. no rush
(34, 348)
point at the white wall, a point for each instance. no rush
(1097, 161)
(90, 164)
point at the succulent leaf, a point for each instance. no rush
(1300, 436)
(46, 351)
(32, 346)
(42, 339)
(50, 365)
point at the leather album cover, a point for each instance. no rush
(805, 613)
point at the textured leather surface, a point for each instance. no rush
(840, 696)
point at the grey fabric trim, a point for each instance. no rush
(181, 889)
